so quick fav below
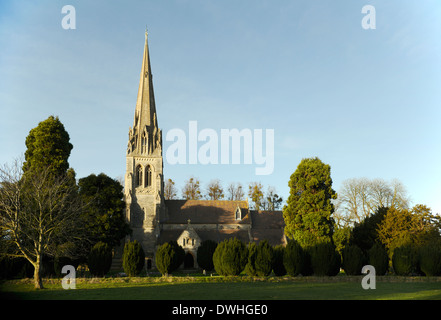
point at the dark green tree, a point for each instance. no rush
(104, 214)
(264, 259)
(164, 259)
(278, 267)
(250, 267)
(353, 260)
(39, 204)
(100, 259)
(325, 260)
(230, 257)
(179, 254)
(365, 234)
(308, 213)
(430, 259)
(169, 257)
(294, 258)
(48, 145)
(405, 260)
(133, 258)
(379, 259)
(205, 254)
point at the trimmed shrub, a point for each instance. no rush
(205, 254)
(378, 258)
(352, 260)
(264, 259)
(100, 259)
(294, 259)
(163, 258)
(169, 257)
(278, 267)
(133, 258)
(250, 268)
(179, 254)
(260, 259)
(325, 260)
(230, 257)
(405, 261)
(430, 260)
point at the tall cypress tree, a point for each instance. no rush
(48, 145)
(308, 213)
(43, 218)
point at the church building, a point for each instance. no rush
(155, 220)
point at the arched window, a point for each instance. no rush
(148, 176)
(138, 177)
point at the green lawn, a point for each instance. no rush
(217, 288)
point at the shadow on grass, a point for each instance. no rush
(232, 291)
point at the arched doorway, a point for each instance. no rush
(188, 261)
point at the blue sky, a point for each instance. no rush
(367, 102)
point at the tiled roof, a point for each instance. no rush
(268, 225)
(206, 211)
(267, 219)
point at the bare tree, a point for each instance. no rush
(192, 189)
(240, 194)
(39, 214)
(231, 191)
(235, 191)
(170, 191)
(272, 200)
(255, 192)
(215, 190)
(360, 197)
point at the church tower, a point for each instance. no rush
(144, 182)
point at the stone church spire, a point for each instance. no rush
(145, 136)
(144, 181)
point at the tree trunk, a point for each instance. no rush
(38, 283)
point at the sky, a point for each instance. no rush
(365, 101)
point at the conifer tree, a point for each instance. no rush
(308, 213)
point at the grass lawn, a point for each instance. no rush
(218, 288)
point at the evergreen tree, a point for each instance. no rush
(39, 205)
(100, 259)
(164, 259)
(325, 260)
(250, 268)
(169, 257)
(264, 259)
(230, 257)
(104, 215)
(278, 267)
(308, 213)
(48, 145)
(133, 258)
(294, 259)
(379, 259)
(353, 260)
(205, 254)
